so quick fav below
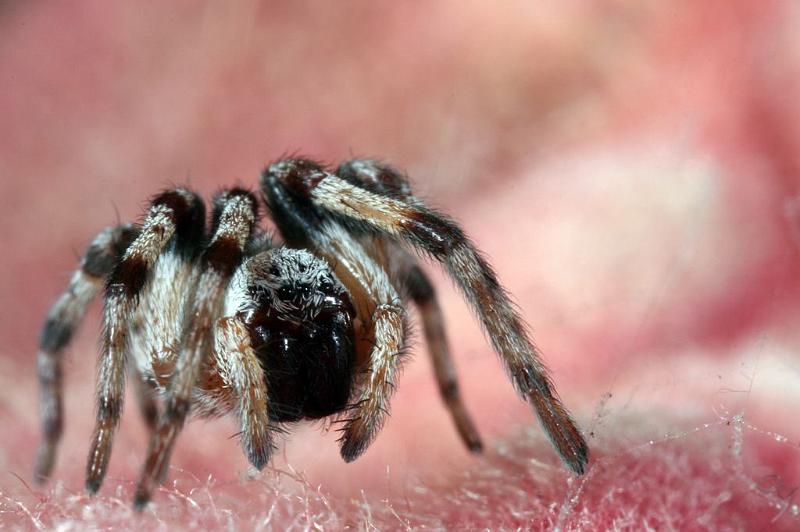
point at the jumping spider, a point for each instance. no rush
(221, 320)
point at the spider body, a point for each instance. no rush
(300, 322)
(215, 318)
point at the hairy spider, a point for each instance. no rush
(220, 319)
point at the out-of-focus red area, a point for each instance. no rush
(632, 169)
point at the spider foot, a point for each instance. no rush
(563, 432)
(359, 431)
(45, 459)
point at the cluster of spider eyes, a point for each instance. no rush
(295, 289)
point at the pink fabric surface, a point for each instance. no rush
(631, 169)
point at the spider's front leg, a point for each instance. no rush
(410, 221)
(407, 273)
(234, 218)
(381, 340)
(174, 216)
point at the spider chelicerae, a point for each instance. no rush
(216, 318)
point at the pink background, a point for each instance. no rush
(632, 169)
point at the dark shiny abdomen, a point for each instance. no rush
(308, 368)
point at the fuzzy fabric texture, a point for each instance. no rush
(632, 170)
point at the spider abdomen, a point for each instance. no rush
(308, 367)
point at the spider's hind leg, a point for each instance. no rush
(59, 326)
(421, 290)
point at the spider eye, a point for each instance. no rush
(326, 286)
(274, 271)
(285, 292)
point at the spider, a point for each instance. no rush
(215, 318)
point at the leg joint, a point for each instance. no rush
(419, 286)
(435, 234)
(301, 176)
(52, 427)
(55, 334)
(128, 277)
(109, 410)
(449, 390)
(177, 408)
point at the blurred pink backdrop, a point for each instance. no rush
(632, 169)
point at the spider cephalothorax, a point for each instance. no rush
(220, 319)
